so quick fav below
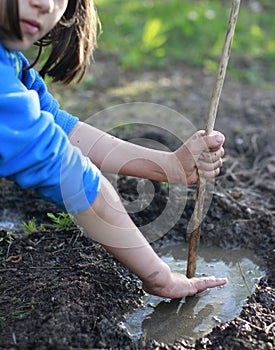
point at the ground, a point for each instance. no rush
(60, 290)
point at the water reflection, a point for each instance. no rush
(166, 320)
(181, 319)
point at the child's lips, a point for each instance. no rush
(29, 26)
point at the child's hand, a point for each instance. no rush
(201, 155)
(179, 286)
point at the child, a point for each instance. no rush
(51, 151)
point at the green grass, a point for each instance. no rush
(60, 222)
(19, 312)
(159, 32)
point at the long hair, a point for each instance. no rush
(9, 17)
(71, 42)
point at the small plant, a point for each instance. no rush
(62, 221)
(20, 312)
(6, 237)
(30, 226)
(23, 311)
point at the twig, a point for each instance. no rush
(227, 195)
(14, 269)
(247, 286)
(213, 108)
(268, 328)
(50, 267)
(250, 324)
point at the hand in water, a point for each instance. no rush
(179, 286)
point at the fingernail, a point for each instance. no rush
(219, 138)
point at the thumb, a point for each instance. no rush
(214, 141)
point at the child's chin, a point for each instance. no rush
(17, 45)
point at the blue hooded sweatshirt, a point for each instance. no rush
(35, 151)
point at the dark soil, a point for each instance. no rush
(60, 290)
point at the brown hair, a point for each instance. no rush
(72, 40)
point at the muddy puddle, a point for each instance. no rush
(167, 320)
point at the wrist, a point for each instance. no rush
(175, 172)
(158, 281)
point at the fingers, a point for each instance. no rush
(210, 160)
(210, 157)
(209, 174)
(200, 284)
(209, 164)
(209, 170)
(179, 286)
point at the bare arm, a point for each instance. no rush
(112, 155)
(107, 221)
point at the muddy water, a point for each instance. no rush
(166, 320)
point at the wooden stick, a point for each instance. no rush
(212, 113)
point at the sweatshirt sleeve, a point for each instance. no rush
(35, 151)
(33, 81)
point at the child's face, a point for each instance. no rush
(36, 19)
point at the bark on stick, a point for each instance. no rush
(212, 113)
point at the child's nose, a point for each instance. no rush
(45, 6)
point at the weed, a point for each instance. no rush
(20, 312)
(62, 221)
(6, 237)
(23, 311)
(30, 226)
